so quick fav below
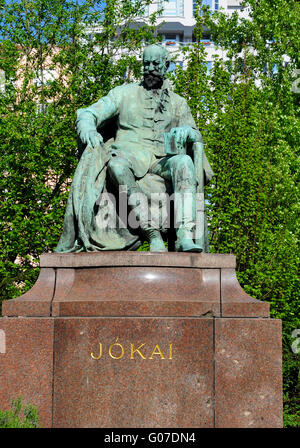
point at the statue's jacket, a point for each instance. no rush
(142, 117)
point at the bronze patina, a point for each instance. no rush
(138, 141)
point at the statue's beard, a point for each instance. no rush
(153, 81)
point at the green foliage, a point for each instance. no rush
(291, 412)
(19, 416)
(249, 117)
(248, 114)
(38, 143)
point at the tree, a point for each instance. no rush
(248, 111)
(56, 58)
(247, 108)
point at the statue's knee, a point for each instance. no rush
(117, 166)
(183, 160)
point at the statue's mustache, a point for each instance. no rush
(153, 75)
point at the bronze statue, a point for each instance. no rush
(140, 141)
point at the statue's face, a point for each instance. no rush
(154, 67)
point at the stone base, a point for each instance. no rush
(26, 363)
(137, 284)
(151, 340)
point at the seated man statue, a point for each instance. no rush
(140, 138)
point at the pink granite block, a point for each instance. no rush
(26, 364)
(248, 373)
(137, 291)
(127, 258)
(36, 301)
(138, 392)
(235, 302)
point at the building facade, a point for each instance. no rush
(177, 23)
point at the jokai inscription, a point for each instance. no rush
(133, 351)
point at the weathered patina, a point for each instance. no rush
(139, 139)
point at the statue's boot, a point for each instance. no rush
(152, 235)
(155, 240)
(185, 243)
(185, 211)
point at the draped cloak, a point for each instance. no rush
(138, 119)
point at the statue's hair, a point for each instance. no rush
(164, 52)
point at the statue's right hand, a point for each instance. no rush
(92, 138)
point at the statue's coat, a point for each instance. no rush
(142, 118)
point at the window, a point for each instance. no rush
(206, 40)
(212, 4)
(173, 65)
(207, 3)
(208, 66)
(171, 39)
(172, 8)
(44, 77)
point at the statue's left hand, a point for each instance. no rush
(184, 134)
(91, 138)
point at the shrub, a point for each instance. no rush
(19, 416)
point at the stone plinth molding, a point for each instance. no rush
(137, 284)
(134, 340)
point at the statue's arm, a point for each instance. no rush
(186, 131)
(186, 120)
(203, 168)
(89, 119)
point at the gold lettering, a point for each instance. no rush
(119, 345)
(133, 350)
(116, 351)
(159, 352)
(100, 354)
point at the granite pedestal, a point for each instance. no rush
(136, 339)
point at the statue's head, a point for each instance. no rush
(156, 60)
